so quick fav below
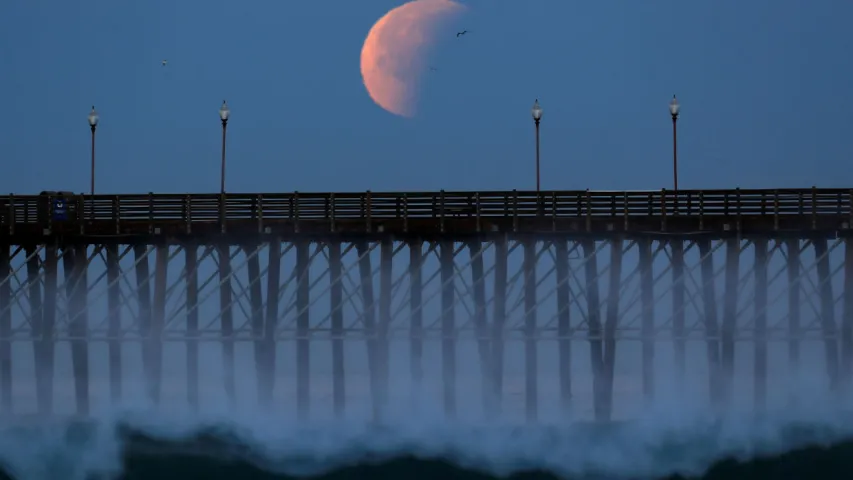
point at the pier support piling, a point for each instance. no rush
(5, 330)
(337, 318)
(191, 271)
(827, 311)
(760, 373)
(709, 302)
(481, 328)
(303, 352)
(648, 319)
(114, 322)
(596, 347)
(448, 328)
(271, 323)
(143, 292)
(158, 321)
(564, 326)
(847, 318)
(369, 315)
(499, 320)
(75, 265)
(226, 313)
(610, 324)
(729, 325)
(679, 305)
(256, 300)
(416, 312)
(386, 261)
(531, 387)
(792, 249)
(43, 317)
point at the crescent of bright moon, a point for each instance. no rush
(392, 54)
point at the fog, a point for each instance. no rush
(786, 381)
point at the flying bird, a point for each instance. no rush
(433, 69)
(463, 32)
(164, 62)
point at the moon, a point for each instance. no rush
(393, 55)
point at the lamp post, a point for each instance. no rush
(93, 124)
(536, 111)
(673, 111)
(224, 113)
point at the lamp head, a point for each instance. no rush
(224, 112)
(674, 107)
(93, 118)
(536, 111)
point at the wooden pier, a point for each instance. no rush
(595, 269)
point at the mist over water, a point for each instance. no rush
(671, 437)
(675, 433)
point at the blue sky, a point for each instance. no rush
(764, 86)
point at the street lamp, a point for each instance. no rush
(673, 111)
(536, 111)
(224, 113)
(93, 124)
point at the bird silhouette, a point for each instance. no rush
(433, 69)
(463, 32)
(164, 62)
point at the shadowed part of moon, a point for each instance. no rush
(393, 55)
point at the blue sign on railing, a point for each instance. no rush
(60, 209)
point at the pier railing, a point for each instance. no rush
(270, 208)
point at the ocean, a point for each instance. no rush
(803, 433)
(140, 445)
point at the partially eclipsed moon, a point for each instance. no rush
(392, 58)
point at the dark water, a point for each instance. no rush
(220, 453)
(806, 463)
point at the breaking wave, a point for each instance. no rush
(137, 447)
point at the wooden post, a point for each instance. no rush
(256, 300)
(43, 314)
(367, 296)
(226, 320)
(760, 395)
(827, 310)
(75, 264)
(531, 387)
(416, 312)
(271, 324)
(709, 301)
(564, 325)
(337, 314)
(481, 326)
(143, 292)
(448, 328)
(678, 308)
(596, 347)
(847, 319)
(114, 322)
(303, 345)
(611, 323)
(730, 316)
(501, 254)
(792, 247)
(648, 318)
(5, 330)
(158, 321)
(191, 267)
(386, 262)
